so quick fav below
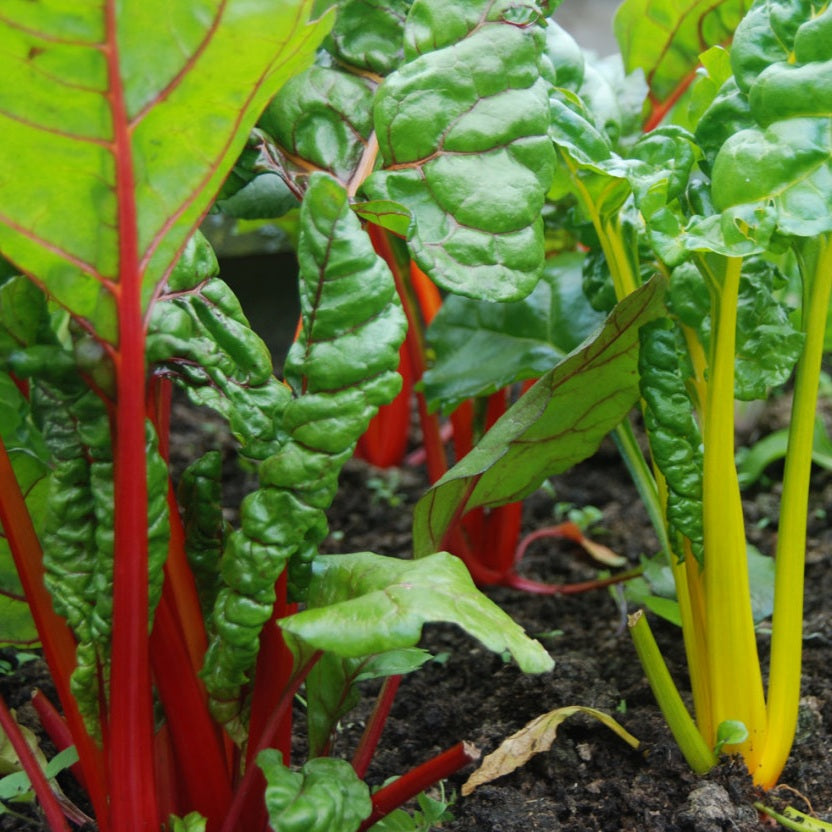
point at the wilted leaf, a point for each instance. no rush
(537, 736)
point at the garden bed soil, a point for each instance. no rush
(590, 781)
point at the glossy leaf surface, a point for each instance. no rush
(326, 795)
(342, 367)
(462, 133)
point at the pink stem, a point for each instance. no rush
(386, 799)
(372, 733)
(133, 804)
(253, 782)
(45, 795)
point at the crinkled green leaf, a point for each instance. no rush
(675, 439)
(78, 532)
(666, 37)
(322, 117)
(368, 34)
(331, 690)
(462, 134)
(199, 493)
(558, 422)
(343, 367)
(251, 193)
(326, 795)
(87, 97)
(481, 347)
(362, 604)
(766, 36)
(199, 336)
(768, 345)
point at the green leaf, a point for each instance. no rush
(666, 37)
(752, 462)
(364, 604)
(766, 36)
(675, 439)
(558, 422)
(387, 214)
(462, 134)
(192, 822)
(368, 34)
(343, 368)
(200, 338)
(322, 119)
(29, 459)
(86, 97)
(787, 165)
(326, 795)
(481, 347)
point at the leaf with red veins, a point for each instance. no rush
(123, 125)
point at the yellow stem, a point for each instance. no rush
(787, 620)
(734, 667)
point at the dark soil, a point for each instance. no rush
(590, 780)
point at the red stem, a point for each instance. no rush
(45, 795)
(661, 108)
(372, 733)
(57, 640)
(272, 677)
(252, 785)
(57, 729)
(133, 804)
(516, 581)
(437, 463)
(200, 755)
(390, 797)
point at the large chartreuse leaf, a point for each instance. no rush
(120, 125)
(461, 127)
(558, 422)
(363, 604)
(481, 347)
(665, 37)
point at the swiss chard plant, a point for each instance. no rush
(713, 179)
(176, 642)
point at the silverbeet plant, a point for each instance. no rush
(177, 643)
(710, 172)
